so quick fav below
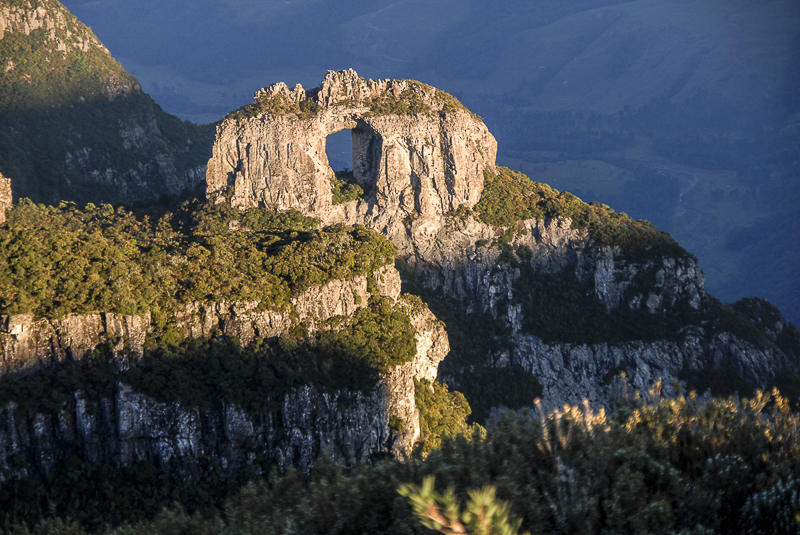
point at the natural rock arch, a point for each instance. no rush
(418, 148)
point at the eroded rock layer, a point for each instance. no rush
(421, 157)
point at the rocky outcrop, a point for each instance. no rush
(180, 438)
(570, 373)
(6, 199)
(28, 343)
(414, 148)
(458, 259)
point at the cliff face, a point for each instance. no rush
(6, 199)
(413, 147)
(457, 259)
(29, 344)
(104, 140)
(176, 437)
(424, 171)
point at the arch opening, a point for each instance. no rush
(354, 157)
(339, 148)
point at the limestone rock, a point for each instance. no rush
(175, 437)
(28, 344)
(414, 147)
(419, 167)
(6, 200)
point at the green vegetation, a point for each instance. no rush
(49, 389)
(510, 196)
(345, 188)
(276, 105)
(476, 339)
(770, 323)
(414, 100)
(95, 496)
(442, 415)
(83, 103)
(410, 103)
(560, 308)
(44, 77)
(349, 354)
(661, 466)
(60, 260)
(483, 515)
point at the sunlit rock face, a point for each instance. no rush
(180, 438)
(6, 199)
(414, 147)
(420, 155)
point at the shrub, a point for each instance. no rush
(664, 466)
(345, 188)
(442, 414)
(510, 196)
(56, 261)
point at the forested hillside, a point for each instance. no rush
(74, 125)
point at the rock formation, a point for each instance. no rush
(6, 199)
(176, 437)
(422, 156)
(416, 148)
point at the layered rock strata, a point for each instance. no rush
(28, 343)
(179, 438)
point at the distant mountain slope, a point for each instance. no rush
(74, 125)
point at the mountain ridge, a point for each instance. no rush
(75, 125)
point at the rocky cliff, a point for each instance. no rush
(666, 292)
(181, 438)
(415, 149)
(6, 198)
(98, 137)
(422, 158)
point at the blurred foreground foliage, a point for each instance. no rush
(662, 466)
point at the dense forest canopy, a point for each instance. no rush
(60, 260)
